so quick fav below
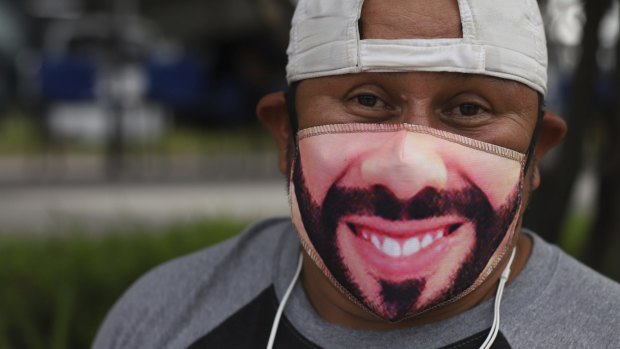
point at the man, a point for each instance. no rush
(411, 138)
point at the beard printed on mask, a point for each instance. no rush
(321, 222)
(394, 295)
(397, 296)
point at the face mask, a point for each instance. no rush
(403, 218)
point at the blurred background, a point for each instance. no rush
(128, 137)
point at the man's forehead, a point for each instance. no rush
(410, 19)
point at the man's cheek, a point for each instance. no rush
(337, 158)
(325, 163)
(496, 176)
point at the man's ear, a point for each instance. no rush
(552, 132)
(271, 111)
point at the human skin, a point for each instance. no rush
(484, 108)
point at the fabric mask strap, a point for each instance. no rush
(534, 140)
(289, 98)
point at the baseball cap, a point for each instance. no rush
(501, 38)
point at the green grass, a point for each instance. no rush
(56, 290)
(575, 233)
(17, 134)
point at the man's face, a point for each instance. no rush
(403, 219)
(406, 216)
(365, 212)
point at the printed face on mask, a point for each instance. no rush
(403, 217)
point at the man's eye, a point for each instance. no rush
(469, 109)
(370, 101)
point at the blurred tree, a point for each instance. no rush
(603, 237)
(550, 205)
(277, 15)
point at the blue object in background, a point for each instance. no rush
(605, 90)
(177, 83)
(67, 78)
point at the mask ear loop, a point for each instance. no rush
(536, 133)
(289, 98)
(287, 294)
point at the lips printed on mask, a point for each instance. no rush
(402, 218)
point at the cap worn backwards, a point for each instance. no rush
(501, 38)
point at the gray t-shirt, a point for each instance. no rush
(225, 297)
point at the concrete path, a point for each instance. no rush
(53, 195)
(97, 208)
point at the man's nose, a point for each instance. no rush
(405, 164)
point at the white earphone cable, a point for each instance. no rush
(498, 299)
(486, 345)
(276, 321)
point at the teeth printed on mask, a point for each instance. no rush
(391, 247)
(439, 234)
(375, 241)
(395, 247)
(428, 239)
(412, 245)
